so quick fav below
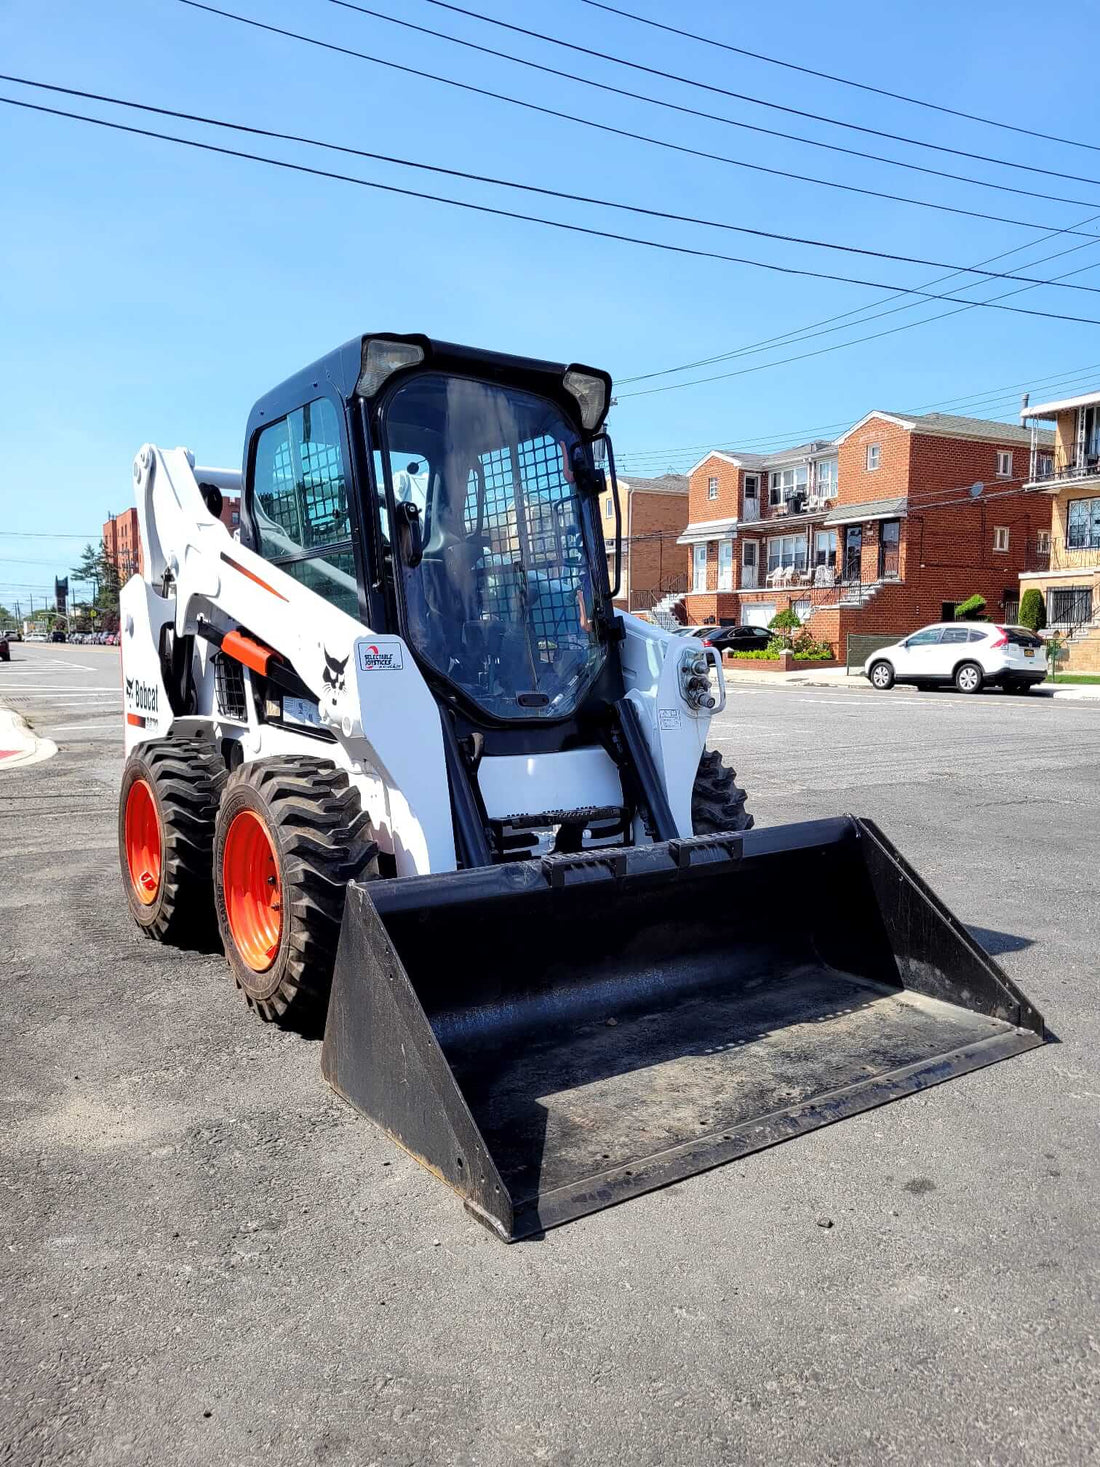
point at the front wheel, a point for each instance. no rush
(717, 804)
(290, 836)
(882, 677)
(968, 678)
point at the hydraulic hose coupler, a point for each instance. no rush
(695, 682)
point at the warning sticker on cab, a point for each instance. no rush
(668, 719)
(380, 656)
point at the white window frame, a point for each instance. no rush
(725, 565)
(873, 457)
(1004, 463)
(608, 508)
(797, 544)
(1042, 542)
(699, 567)
(712, 488)
(750, 561)
(786, 483)
(825, 484)
(803, 608)
(1000, 537)
(825, 555)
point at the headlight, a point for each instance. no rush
(381, 358)
(590, 391)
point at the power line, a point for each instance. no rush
(600, 202)
(826, 326)
(531, 218)
(635, 96)
(420, 76)
(698, 84)
(844, 81)
(46, 535)
(838, 346)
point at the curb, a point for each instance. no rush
(20, 746)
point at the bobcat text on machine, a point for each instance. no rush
(400, 743)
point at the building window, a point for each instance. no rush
(608, 509)
(786, 483)
(1000, 537)
(825, 547)
(1069, 605)
(1042, 542)
(712, 488)
(802, 609)
(825, 484)
(786, 552)
(1004, 464)
(725, 565)
(699, 567)
(1045, 465)
(1083, 524)
(874, 455)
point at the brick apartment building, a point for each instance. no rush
(877, 531)
(122, 538)
(1063, 558)
(654, 513)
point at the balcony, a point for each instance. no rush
(1064, 476)
(1044, 554)
(800, 507)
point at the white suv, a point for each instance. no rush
(970, 655)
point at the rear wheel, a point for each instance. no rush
(882, 677)
(717, 803)
(968, 678)
(166, 811)
(290, 836)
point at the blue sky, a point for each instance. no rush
(149, 292)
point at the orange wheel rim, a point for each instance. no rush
(144, 844)
(253, 896)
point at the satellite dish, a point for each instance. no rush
(976, 489)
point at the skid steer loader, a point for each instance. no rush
(395, 739)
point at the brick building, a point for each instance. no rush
(1063, 557)
(122, 537)
(888, 526)
(654, 513)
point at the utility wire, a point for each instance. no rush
(837, 346)
(844, 81)
(698, 84)
(46, 535)
(599, 202)
(827, 328)
(499, 213)
(635, 96)
(420, 75)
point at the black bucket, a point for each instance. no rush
(552, 1037)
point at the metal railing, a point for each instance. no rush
(647, 599)
(1045, 553)
(1088, 468)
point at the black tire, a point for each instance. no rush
(717, 804)
(184, 778)
(321, 840)
(969, 677)
(881, 676)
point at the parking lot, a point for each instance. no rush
(209, 1258)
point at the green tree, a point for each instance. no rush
(98, 570)
(784, 621)
(1033, 611)
(972, 609)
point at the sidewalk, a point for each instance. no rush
(827, 677)
(19, 744)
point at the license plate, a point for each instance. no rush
(1029, 651)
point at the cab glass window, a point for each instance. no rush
(925, 638)
(300, 502)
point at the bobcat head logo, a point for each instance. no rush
(129, 687)
(333, 675)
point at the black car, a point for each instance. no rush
(736, 638)
(5, 650)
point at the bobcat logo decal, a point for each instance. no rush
(333, 676)
(129, 688)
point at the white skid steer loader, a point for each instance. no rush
(399, 744)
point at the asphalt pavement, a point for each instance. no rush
(208, 1258)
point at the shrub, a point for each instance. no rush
(755, 656)
(784, 621)
(1033, 611)
(807, 648)
(972, 609)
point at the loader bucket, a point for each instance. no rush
(552, 1037)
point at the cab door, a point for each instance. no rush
(921, 656)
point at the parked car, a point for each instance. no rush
(737, 638)
(5, 649)
(970, 655)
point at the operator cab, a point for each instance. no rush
(451, 496)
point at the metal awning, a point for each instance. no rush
(703, 530)
(871, 509)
